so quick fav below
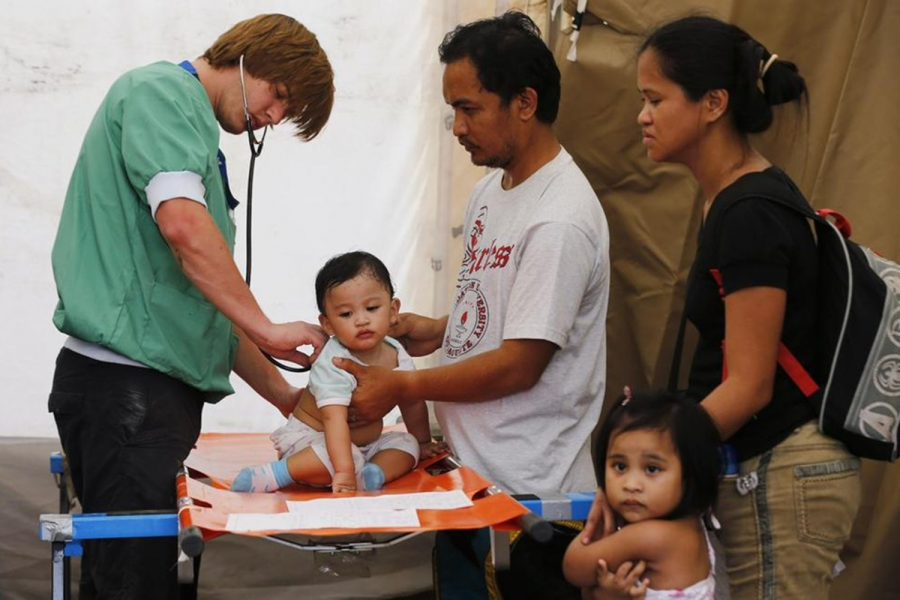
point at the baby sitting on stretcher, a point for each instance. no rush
(317, 446)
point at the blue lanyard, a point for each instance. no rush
(223, 168)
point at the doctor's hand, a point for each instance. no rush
(377, 390)
(419, 335)
(600, 516)
(281, 340)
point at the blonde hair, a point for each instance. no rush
(280, 50)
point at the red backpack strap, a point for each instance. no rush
(840, 221)
(786, 359)
(718, 277)
(796, 372)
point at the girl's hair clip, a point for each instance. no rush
(626, 391)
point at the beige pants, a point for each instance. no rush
(783, 537)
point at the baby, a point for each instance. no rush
(318, 446)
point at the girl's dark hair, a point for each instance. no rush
(344, 267)
(509, 55)
(693, 434)
(702, 53)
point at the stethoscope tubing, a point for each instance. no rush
(256, 147)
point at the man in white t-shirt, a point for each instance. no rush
(523, 351)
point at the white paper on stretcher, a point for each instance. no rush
(287, 521)
(390, 502)
(361, 512)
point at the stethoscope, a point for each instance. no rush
(256, 147)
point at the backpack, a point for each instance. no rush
(858, 396)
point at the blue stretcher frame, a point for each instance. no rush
(67, 531)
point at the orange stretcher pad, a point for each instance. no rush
(219, 457)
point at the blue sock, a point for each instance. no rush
(282, 475)
(372, 477)
(263, 478)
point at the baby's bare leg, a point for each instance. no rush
(305, 467)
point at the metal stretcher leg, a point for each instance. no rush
(58, 469)
(66, 531)
(500, 550)
(59, 584)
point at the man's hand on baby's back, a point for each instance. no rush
(419, 335)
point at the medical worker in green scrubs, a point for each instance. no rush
(156, 312)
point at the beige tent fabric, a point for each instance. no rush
(841, 153)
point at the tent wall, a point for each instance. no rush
(369, 181)
(840, 151)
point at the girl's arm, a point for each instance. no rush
(753, 321)
(337, 441)
(649, 541)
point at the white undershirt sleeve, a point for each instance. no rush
(174, 184)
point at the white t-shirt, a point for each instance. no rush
(333, 385)
(535, 266)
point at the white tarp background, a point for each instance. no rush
(369, 181)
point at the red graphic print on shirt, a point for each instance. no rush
(470, 315)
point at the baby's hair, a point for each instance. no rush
(344, 267)
(694, 436)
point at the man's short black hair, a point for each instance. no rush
(509, 55)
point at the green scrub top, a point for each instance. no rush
(118, 282)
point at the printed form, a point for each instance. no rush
(359, 512)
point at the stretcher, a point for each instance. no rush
(205, 502)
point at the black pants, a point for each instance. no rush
(535, 569)
(125, 431)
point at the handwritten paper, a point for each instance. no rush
(385, 502)
(288, 521)
(360, 512)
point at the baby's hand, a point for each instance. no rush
(343, 482)
(432, 448)
(624, 582)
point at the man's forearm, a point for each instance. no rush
(439, 326)
(415, 417)
(514, 367)
(261, 375)
(206, 260)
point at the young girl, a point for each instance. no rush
(659, 469)
(318, 446)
